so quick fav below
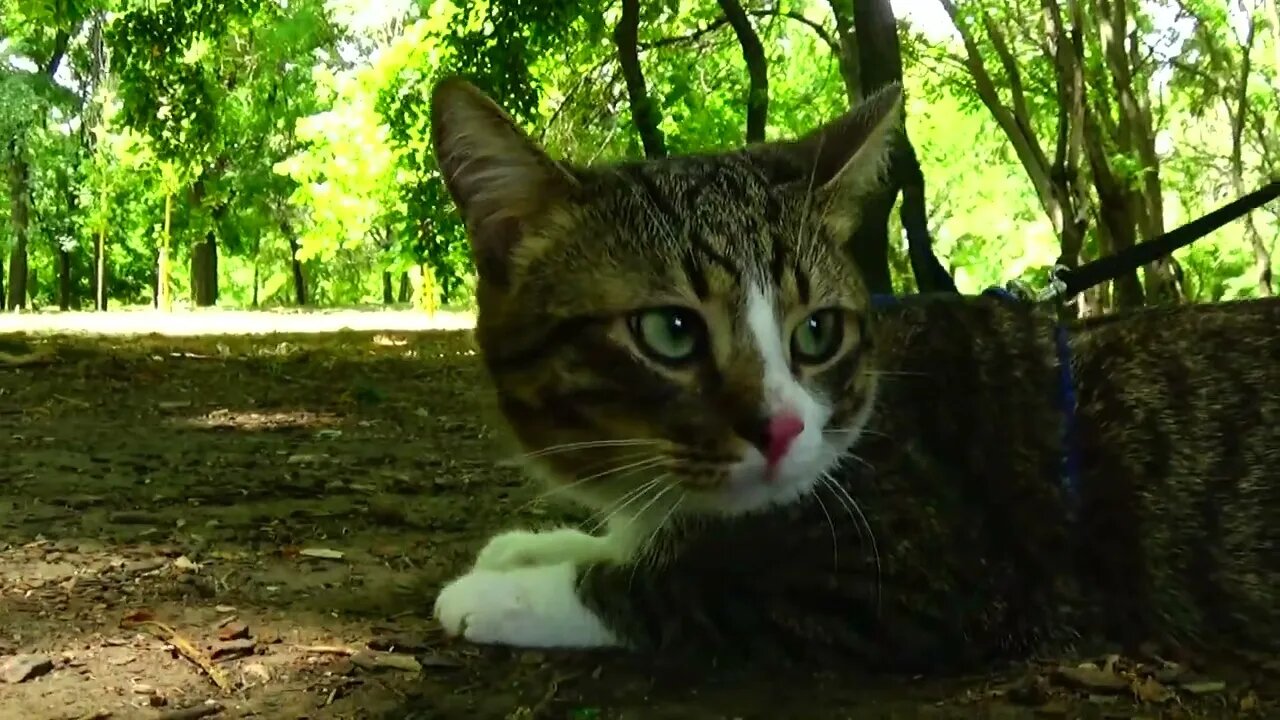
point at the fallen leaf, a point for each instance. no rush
(1151, 690)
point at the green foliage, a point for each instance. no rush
(303, 126)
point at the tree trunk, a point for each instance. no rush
(880, 58)
(1115, 214)
(20, 220)
(204, 256)
(65, 286)
(643, 112)
(295, 265)
(100, 269)
(1239, 115)
(847, 57)
(388, 289)
(757, 69)
(164, 298)
(204, 271)
(3, 299)
(405, 293)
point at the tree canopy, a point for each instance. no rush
(249, 153)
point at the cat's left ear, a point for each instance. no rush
(499, 177)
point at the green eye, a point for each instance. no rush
(669, 334)
(818, 337)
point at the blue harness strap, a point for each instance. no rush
(1067, 402)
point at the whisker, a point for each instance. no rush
(627, 469)
(608, 512)
(586, 445)
(871, 535)
(853, 456)
(835, 543)
(897, 373)
(643, 552)
(858, 430)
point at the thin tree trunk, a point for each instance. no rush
(64, 280)
(757, 69)
(20, 220)
(643, 112)
(880, 59)
(847, 57)
(388, 289)
(3, 299)
(257, 268)
(164, 299)
(300, 295)
(1261, 253)
(100, 261)
(405, 293)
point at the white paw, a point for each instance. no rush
(521, 548)
(522, 607)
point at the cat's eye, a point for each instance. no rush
(818, 337)
(669, 335)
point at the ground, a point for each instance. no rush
(274, 514)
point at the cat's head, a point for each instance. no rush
(689, 329)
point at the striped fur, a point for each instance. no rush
(949, 538)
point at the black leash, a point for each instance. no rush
(1066, 282)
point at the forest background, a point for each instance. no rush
(267, 153)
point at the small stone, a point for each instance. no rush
(233, 631)
(258, 671)
(21, 668)
(184, 564)
(233, 649)
(143, 689)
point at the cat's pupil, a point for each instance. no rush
(818, 338)
(668, 334)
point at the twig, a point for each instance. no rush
(327, 650)
(188, 650)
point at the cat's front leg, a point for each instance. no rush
(523, 548)
(535, 606)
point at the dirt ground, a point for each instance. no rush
(238, 527)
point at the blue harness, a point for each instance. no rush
(1070, 463)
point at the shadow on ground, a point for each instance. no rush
(284, 508)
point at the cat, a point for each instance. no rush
(789, 470)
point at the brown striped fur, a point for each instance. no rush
(971, 548)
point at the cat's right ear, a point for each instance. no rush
(847, 158)
(499, 178)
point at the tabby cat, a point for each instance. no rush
(685, 346)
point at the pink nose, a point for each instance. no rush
(783, 430)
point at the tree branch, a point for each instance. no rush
(643, 113)
(757, 69)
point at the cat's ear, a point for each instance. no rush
(848, 156)
(499, 177)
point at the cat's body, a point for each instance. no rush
(684, 345)
(1169, 532)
